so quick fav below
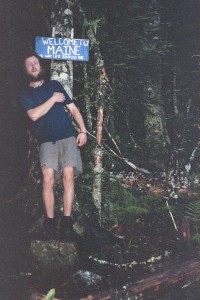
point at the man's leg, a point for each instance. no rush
(66, 224)
(68, 195)
(47, 192)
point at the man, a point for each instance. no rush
(44, 102)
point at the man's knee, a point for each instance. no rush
(68, 175)
(48, 178)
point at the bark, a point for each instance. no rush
(98, 155)
(191, 158)
(100, 124)
(156, 135)
(87, 99)
(62, 23)
(98, 170)
(152, 284)
(101, 98)
(157, 140)
(175, 98)
(97, 184)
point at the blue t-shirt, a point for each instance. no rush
(56, 124)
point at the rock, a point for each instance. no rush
(55, 255)
(87, 279)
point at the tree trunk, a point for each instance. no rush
(100, 100)
(154, 284)
(98, 155)
(87, 99)
(154, 114)
(101, 95)
(155, 128)
(62, 23)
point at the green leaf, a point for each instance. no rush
(193, 211)
(50, 295)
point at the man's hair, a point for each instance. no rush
(30, 53)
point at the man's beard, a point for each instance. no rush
(40, 76)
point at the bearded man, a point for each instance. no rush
(45, 101)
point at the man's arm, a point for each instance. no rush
(82, 136)
(39, 111)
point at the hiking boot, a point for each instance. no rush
(66, 228)
(49, 229)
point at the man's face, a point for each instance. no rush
(33, 68)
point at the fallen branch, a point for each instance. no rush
(171, 215)
(184, 273)
(130, 164)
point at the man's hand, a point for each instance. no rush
(58, 97)
(39, 111)
(82, 136)
(81, 139)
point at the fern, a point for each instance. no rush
(193, 211)
(131, 209)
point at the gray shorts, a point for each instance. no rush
(61, 154)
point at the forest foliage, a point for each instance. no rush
(151, 112)
(147, 53)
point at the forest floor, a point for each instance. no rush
(153, 244)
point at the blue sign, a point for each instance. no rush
(62, 48)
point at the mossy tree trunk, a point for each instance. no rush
(156, 136)
(62, 24)
(101, 97)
